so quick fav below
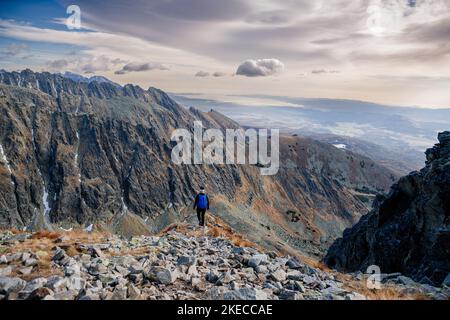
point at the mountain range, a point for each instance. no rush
(81, 153)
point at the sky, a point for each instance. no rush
(395, 52)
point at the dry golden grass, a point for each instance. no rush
(43, 247)
(43, 243)
(216, 228)
(13, 230)
(390, 292)
(359, 286)
(77, 235)
(46, 234)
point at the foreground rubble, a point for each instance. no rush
(172, 266)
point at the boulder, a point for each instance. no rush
(161, 275)
(26, 271)
(256, 260)
(40, 293)
(3, 259)
(11, 285)
(293, 264)
(289, 295)
(119, 293)
(198, 284)
(75, 283)
(212, 276)
(295, 275)
(30, 262)
(278, 275)
(355, 296)
(65, 295)
(4, 272)
(73, 269)
(446, 281)
(245, 294)
(224, 278)
(186, 261)
(133, 292)
(56, 283)
(35, 284)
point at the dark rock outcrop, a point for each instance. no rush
(409, 230)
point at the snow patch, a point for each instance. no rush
(76, 157)
(45, 202)
(52, 85)
(6, 162)
(47, 208)
(124, 206)
(340, 146)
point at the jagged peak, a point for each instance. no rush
(98, 86)
(441, 150)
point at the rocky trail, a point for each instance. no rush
(184, 262)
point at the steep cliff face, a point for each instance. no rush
(76, 153)
(409, 230)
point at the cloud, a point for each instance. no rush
(200, 10)
(218, 74)
(274, 17)
(324, 71)
(260, 68)
(139, 67)
(94, 64)
(202, 74)
(87, 64)
(57, 64)
(14, 49)
(118, 61)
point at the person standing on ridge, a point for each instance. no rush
(201, 204)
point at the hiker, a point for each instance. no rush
(201, 204)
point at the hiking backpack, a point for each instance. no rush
(202, 201)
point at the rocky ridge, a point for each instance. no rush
(409, 229)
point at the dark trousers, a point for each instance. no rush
(201, 216)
